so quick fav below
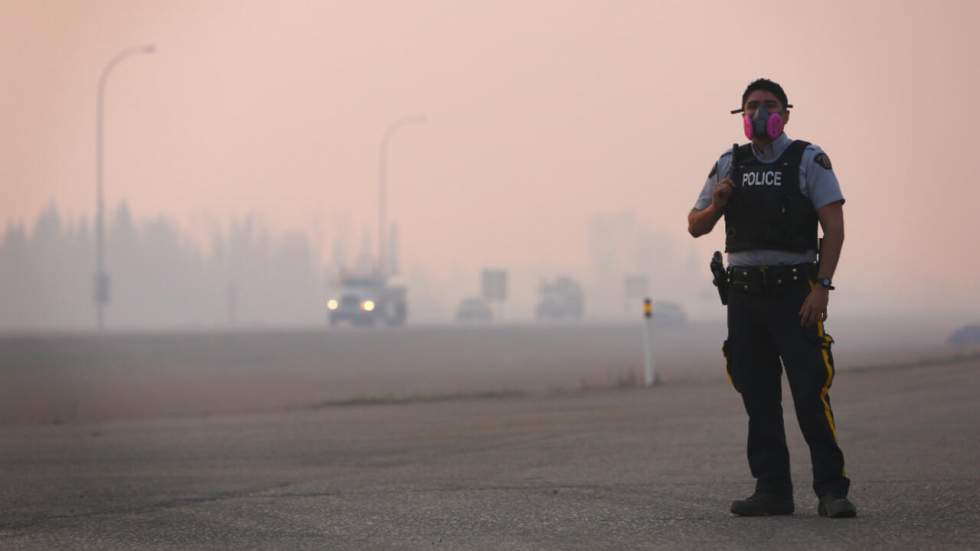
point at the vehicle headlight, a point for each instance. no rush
(367, 305)
(332, 304)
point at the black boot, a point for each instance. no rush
(761, 504)
(836, 507)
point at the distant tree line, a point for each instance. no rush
(159, 277)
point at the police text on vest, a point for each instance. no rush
(766, 178)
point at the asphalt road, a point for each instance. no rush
(598, 469)
(79, 378)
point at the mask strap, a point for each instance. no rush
(742, 110)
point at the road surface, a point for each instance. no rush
(613, 468)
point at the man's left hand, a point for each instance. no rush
(814, 308)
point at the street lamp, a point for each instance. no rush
(382, 182)
(101, 293)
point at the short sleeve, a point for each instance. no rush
(719, 171)
(817, 179)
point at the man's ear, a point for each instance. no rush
(785, 116)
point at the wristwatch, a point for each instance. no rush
(825, 283)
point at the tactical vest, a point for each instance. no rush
(767, 209)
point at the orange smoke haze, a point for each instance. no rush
(541, 115)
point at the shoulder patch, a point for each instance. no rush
(714, 170)
(823, 160)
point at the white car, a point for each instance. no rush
(367, 300)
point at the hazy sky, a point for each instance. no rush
(540, 114)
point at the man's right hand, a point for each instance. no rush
(723, 192)
(700, 222)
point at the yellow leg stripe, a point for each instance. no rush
(728, 366)
(830, 377)
(826, 387)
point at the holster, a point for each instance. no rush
(719, 277)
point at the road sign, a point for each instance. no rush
(493, 284)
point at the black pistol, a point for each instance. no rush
(720, 278)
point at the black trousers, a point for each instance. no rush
(764, 328)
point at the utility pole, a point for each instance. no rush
(101, 280)
(383, 185)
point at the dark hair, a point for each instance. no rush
(769, 86)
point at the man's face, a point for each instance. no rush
(767, 98)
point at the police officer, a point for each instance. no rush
(773, 192)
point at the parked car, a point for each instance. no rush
(966, 335)
(474, 310)
(668, 313)
(560, 300)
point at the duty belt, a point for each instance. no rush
(758, 279)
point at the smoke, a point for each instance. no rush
(159, 276)
(248, 275)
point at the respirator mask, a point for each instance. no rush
(762, 124)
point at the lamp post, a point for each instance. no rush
(101, 291)
(383, 184)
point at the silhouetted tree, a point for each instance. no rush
(159, 278)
